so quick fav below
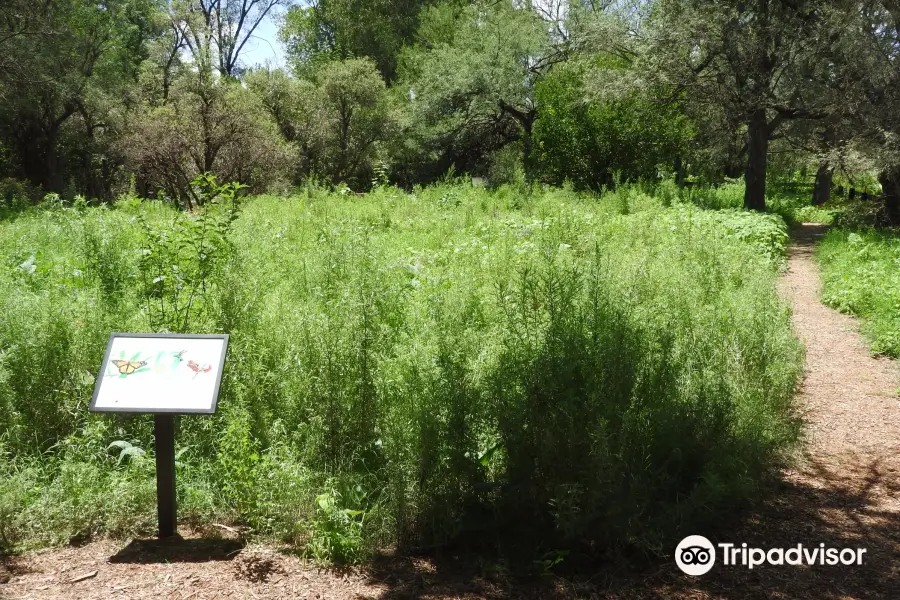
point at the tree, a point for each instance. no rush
(752, 60)
(69, 63)
(220, 27)
(209, 125)
(18, 19)
(165, 59)
(356, 117)
(468, 86)
(334, 122)
(589, 143)
(329, 30)
(873, 48)
(296, 106)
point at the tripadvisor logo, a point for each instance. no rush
(696, 555)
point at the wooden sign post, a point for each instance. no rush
(164, 375)
(166, 503)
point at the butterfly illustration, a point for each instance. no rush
(197, 369)
(127, 367)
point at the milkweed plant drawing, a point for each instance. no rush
(123, 367)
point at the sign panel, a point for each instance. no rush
(160, 373)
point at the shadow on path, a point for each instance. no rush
(804, 239)
(178, 550)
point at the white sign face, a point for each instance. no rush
(160, 373)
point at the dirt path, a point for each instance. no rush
(851, 397)
(844, 493)
(845, 490)
(848, 485)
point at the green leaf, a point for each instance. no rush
(485, 457)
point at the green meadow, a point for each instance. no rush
(405, 369)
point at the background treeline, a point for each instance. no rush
(100, 98)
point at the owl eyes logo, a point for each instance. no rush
(695, 555)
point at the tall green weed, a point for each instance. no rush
(410, 368)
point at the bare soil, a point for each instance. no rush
(843, 492)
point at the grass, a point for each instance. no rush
(792, 207)
(406, 368)
(861, 277)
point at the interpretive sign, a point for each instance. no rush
(160, 373)
(165, 375)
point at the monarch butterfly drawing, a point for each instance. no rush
(197, 369)
(127, 367)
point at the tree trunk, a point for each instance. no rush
(526, 120)
(52, 177)
(824, 179)
(679, 172)
(757, 158)
(890, 186)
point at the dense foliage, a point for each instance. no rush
(97, 98)
(861, 277)
(484, 263)
(405, 367)
(593, 145)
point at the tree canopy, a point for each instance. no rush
(95, 96)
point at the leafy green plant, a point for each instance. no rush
(16, 195)
(337, 531)
(14, 497)
(380, 174)
(238, 458)
(860, 277)
(103, 259)
(126, 450)
(549, 561)
(183, 259)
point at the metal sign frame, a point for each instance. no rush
(163, 426)
(148, 411)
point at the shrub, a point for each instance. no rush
(16, 195)
(14, 497)
(334, 121)
(208, 127)
(183, 260)
(798, 209)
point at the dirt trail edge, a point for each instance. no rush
(844, 492)
(849, 478)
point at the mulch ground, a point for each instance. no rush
(844, 492)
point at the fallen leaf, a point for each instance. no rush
(83, 577)
(226, 528)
